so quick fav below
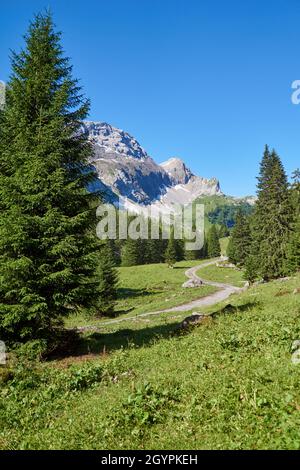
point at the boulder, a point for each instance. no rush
(296, 345)
(296, 351)
(283, 279)
(192, 320)
(192, 283)
(226, 265)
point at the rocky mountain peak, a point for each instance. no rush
(113, 140)
(127, 172)
(177, 169)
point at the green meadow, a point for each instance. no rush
(228, 383)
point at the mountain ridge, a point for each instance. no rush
(132, 175)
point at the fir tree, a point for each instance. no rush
(180, 251)
(271, 219)
(223, 231)
(240, 240)
(130, 253)
(293, 261)
(213, 244)
(171, 251)
(48, 250)
(153, 251)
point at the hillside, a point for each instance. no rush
(222, 209)
(227, 384)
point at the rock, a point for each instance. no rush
(192, 320)
(226, 265)
(296, 291)
(192, 283)
(296, 351)
(283, 279)
(228, 309)
(296, 345)
(177, 170)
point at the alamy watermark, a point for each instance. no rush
(182, 222)
(295, 97)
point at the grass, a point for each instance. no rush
(224, 245)
(150, 288)
(226, 384)
(227, 275)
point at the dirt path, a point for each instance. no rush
(225, 290)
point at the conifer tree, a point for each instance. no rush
(223, 231)
(213, 244)
(180, 251)
(130, 253)
(153, 251)
(171, 251)
(271, 220)
(48, 250)
(192, 254)
(240, 240)
(293, 261)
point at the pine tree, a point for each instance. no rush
(223, 231)
(108, 280)
(153, 251)
(192, 254)
(240, 241)
(48, 250)
(180, 251)
(271, 219)
(130, 253)
(230, 251)
(171, 251)
(213, 244)
(293, 251)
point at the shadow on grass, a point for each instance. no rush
(232, 309)
(97, 343)
(124, 293)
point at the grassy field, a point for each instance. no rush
(219, 274)
(226, 384)
(224, 244)
(150, 288)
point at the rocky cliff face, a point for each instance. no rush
(127, 171)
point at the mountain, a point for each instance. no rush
(127, 172)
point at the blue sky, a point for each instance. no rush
(207, 81)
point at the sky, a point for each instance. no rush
(209, 82)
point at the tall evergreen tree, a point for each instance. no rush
(48, 250)
(171, 251)
(153, 251)
(240, 241)
(271, 219)
(223, 231)
(293, 261)
(213, 244)
(130, 253)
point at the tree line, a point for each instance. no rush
(164, 250)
